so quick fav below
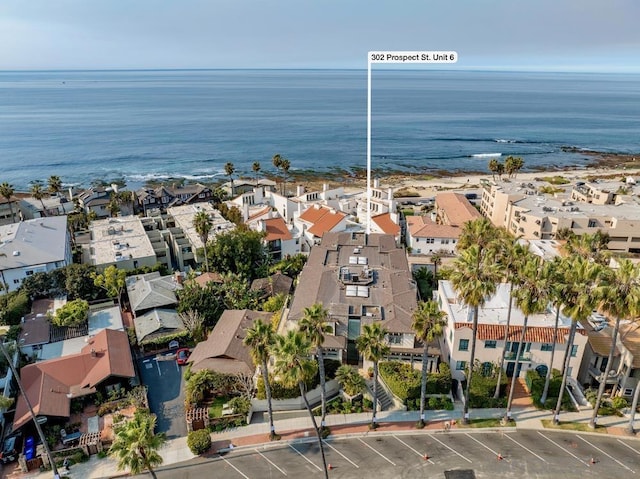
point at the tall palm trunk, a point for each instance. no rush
(375, 394)
(632, 413)
(267, 392)
(547, 379)
(565, 372)
(514, 377)
(423, 384)
(465, 415)
(13, 216)
(323, 387)
(496, 394)
(146, 463)
(603, 383)
(315, 427)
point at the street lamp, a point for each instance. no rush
(43, 439)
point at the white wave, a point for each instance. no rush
(486, 155)
(500, 140)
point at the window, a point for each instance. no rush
(395, 338)
(546, 347)
(574, 350)
(29, 273)
(461, 365)
(16, 281)
(464, 345)
(490, 345)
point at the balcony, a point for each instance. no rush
(511, 356)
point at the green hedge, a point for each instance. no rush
(432, 403)
(483, 388)
(404, 380)
(536, 385)
(199, 441)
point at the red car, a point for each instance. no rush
(182, 355)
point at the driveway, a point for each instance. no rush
(163, 377)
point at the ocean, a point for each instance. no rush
(146, 125)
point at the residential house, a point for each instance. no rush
(454, 209)
(316, 221)
(96, 199)
(127, 242)
(104, 363)
(426, 237)
(164, 197)
(243, 185)
(224, 350)
(9, 210)
(33, 246)
(490, 334)
(152, 300)
(279, 240)
(277, 283)
(185, 242)
(30, 208)
(361, 279)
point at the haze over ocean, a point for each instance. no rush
(139, 125)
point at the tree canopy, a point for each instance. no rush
(239, 251)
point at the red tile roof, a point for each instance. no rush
(323, 219)
(534, 334)
(277, 229)
(386, 224)
(423, 227)
(455, 208)
(50, 385)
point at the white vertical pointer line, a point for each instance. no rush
(345, 457)
(306, 458)
(368, 230)
(267, 459)
(236, 469)
(378, 453)
(525, 448)
(451, 449)
(627, 445)
(606, 454)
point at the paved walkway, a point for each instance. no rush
(176, 450)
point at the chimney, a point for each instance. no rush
(299, 190)
(93, 353)
(245, 212)
(376, 182)
(325, 187)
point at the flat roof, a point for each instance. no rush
(120, 238)
(183, 216)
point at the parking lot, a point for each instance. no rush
(163, 377)
(453, 455)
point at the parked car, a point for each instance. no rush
(182, 355)
(11, 448)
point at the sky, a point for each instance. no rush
(554, 35)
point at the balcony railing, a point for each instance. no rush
(511, 356)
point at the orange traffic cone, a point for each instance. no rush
(329, 466)
(593, 460)
(499, 458)
(425, 456)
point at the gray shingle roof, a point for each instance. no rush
(147, 291)
(157, 322)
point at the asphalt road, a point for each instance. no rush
(165, 383)
(451, 455)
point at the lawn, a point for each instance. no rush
(486, 422)
(573, 426)
(215, 409)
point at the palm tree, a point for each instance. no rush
(314, 325)
(285, 165)
(511, 256)
(493, 167)
(277, 162)
(260, 338)
(551, 274)
(256, 169)
(230, 169)
(532, 298)
(474, 279)
(135, 446)
(371, 344)
(350, 380)
(38, 193)
(579, 278)
(6, 191)
(619, 298)
(203, 223)
(55, 184)
(589, 246)
(479, 232)
(436, 259)
(428, 324)
(295, 368)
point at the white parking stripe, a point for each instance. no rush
(451, 449)
(524, 447)
(495, 453)
(565, 450)
(378, 453)
(418, 453)
(345, 457)
(267, 459)
(627, 445)
(306, 458)
(606, 454)
(236, 469)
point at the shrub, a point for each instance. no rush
(279, 391)
(73, 313)
(404, 381)
(619, 403)
(14, 306)
(240, 405)
(199, 441)
(536, 385)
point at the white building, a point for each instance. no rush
(492, 319)
(33, 246)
